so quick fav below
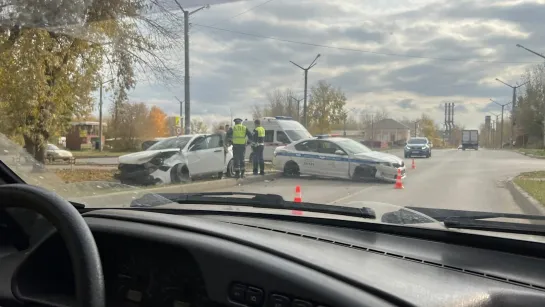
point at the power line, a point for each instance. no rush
(357, 50)
(237, 15)
(243, 12)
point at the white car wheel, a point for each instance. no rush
(230, 169)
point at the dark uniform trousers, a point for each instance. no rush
(239, 152)
(258, 159)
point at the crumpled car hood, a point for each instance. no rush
(143, 156)
(378, 157)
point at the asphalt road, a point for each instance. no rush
(452, 179)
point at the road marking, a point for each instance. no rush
(350, 195)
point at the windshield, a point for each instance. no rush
(353, 147)
(178, 142)
(296, 135)
(417, 141)
(93, 94)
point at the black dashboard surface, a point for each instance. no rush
(180, 261)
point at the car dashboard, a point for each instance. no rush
(155, 259)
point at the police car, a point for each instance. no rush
(336, 157)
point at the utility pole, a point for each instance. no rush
(186, 66)
(298, 107)
(513, 105)
(100, 145)
(495, 127)
(416, 126)
(345, 115)
(306, 80)
(501, 129)
(541, 56)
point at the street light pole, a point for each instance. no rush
(100, 115)
(501, 130)
(415, 126)
(306, 79)
(495, 128)
(187, 125)
(298, 107)
(513, 104)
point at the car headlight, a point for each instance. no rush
(385, 163)
(407, 147)
(424, 147)
(160, 158)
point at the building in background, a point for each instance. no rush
(84, 135)
(388, 131)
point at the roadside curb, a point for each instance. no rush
(98, 157)
(525, 201)
(529, 155)
(193, 187)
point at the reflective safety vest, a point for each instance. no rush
(259, 136)
(260, 132)
(239, 134)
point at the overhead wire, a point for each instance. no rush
(359, 50)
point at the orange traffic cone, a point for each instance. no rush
(298, 198)
(414, 165)
(399, 184)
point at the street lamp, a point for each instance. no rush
(100, 114)
(344, 115)
(531, 51)
(416, 126)
(501, 130)
(513, 104)
(298, 107)
(495, 127)
(187, 125)
(306, 78)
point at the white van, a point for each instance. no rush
(279, 131)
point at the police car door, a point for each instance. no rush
(332, 164)
(306, 157)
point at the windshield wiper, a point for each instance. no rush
(476, 220)
(268, 201)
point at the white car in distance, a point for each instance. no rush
(336, 157)
(54, 153)
(177, 159)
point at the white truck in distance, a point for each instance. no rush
(470, 139)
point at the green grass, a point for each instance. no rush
(533, 187)
(536, 152)
(96, 153)
(536, 174)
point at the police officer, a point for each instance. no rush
(237, 136)
(258, 146)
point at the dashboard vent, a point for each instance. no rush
(401, 257)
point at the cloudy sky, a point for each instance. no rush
(407, 56)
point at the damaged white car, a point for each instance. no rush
(177, 159)
(336, 157)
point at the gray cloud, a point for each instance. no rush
(231, 70)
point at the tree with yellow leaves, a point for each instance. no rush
(158, 122)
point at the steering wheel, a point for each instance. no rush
(73, 230)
